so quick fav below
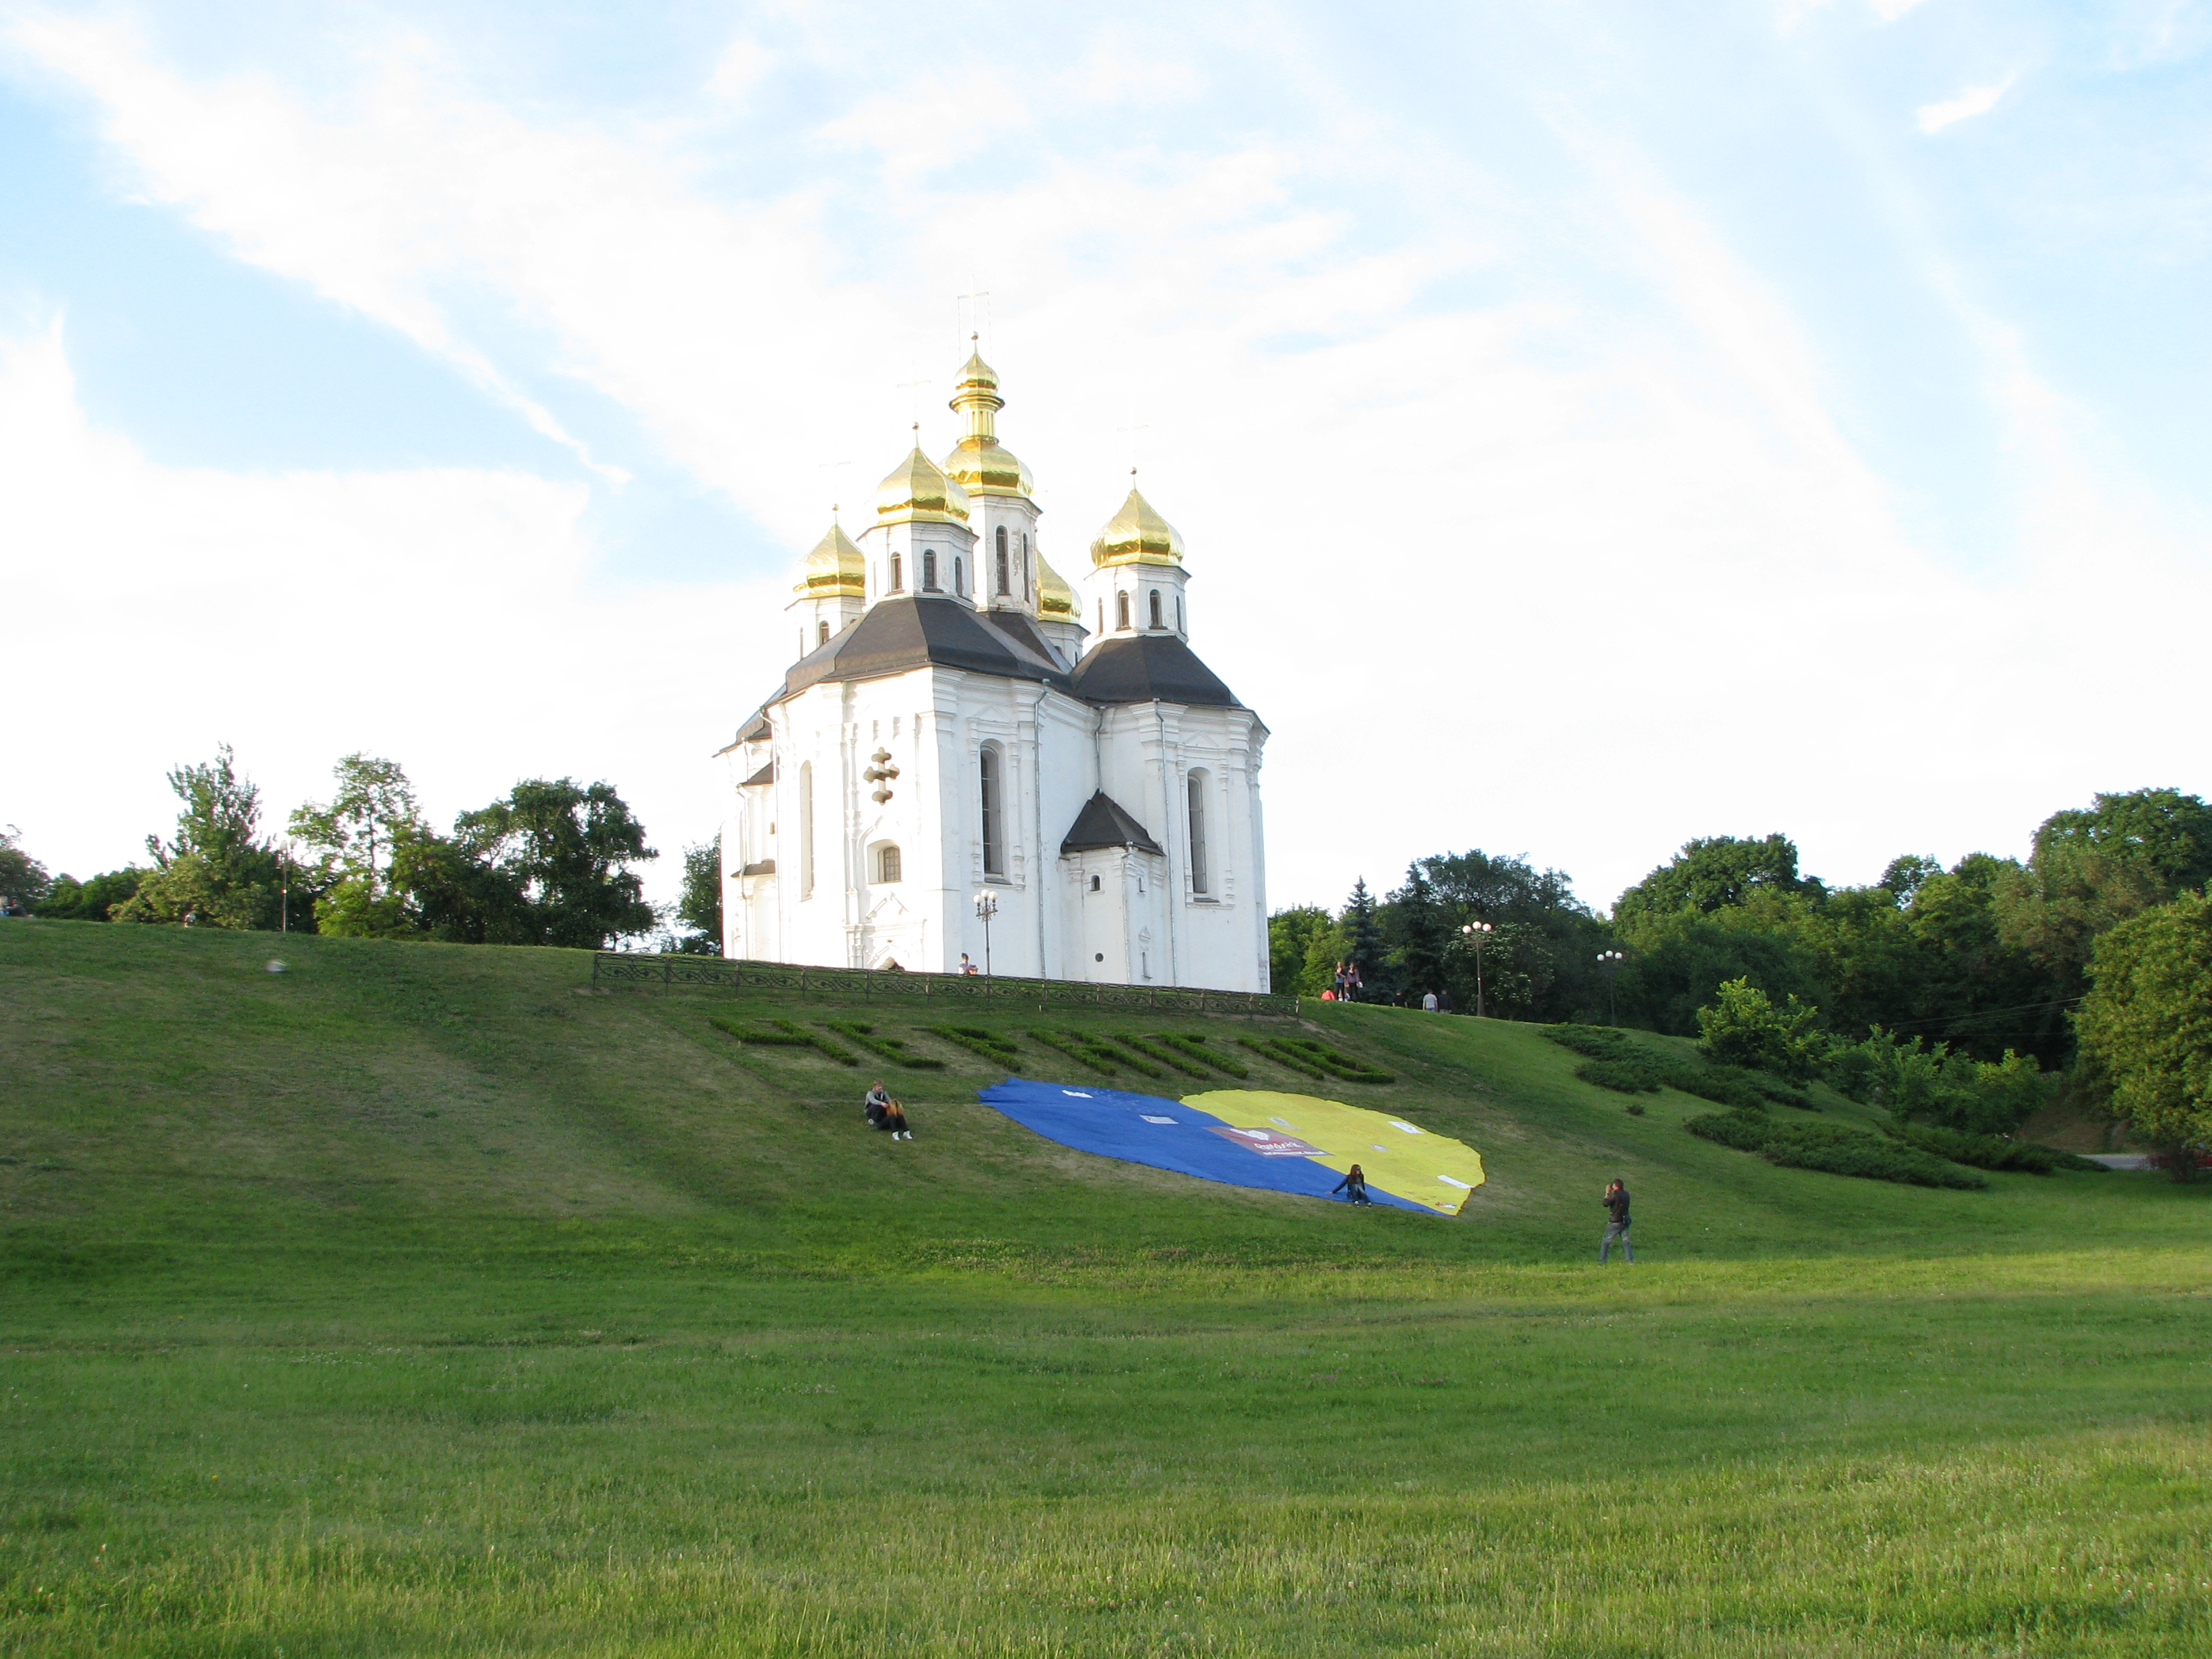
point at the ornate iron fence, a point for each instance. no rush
(872, 984)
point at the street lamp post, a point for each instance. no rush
(987, 906)
(1477, 933)
(1610, 961)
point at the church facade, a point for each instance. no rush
(962, 730)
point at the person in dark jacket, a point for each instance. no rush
(1616, 1209)
(877, 1102)
(1353, 1186)
(895, 1120)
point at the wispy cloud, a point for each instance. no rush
(1974, 101)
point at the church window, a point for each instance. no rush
(1121, 610)
(1157, 621)
(898, 575)
(887, 864)
(929, 570)
(806, 830)
(993, 800)
(959, 577)
(1101, 616)
(1094, 884)
(1200, 881)
(1180, 627)
(824, 626)
(1006, 570)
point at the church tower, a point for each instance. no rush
(832, 589)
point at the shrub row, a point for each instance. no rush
(1194, 1044)
(1615, 1060)
(1986, 1152)
(1831, 1148)
(1315, 1058)
(989, 1044)
(891, 1048)
(1093, 1051)
(784, 1034)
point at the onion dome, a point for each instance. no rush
(833, 570)
(1055, 598)
(916, 489)
(1137, 535)
(979, 462)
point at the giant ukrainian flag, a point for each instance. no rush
(1252, 1138)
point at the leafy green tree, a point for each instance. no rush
(548, 865)
(357, 836)
(1290, 933)
(1677, 962)
(91, 899)
(2147, 1022)
(1714, 873)
(1540, 961)
(1327, 947)
(23, 879)
(1743, 1027)
(2090, 869)
(217, 872)
(699, 906)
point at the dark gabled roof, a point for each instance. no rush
(1149, 668)
(897, 634)
(1018, 627)
(1102, 823)
(766, 774)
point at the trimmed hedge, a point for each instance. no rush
(785, 1034)
(1315, 1059)
(891, 1048)
(1194, 1044)
(1986, 1152)
(989, 1044)
(1166, 1055)
(1092, 1052)
(1831, 1149)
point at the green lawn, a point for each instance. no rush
(418, 1301)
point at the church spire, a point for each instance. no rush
(979, 464)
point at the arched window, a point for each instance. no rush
(929, 570)
(1157, 621)
(1094, 884)
(1028, 573)
(959, 577)
(1101, 616)
(1200, 877)
(1121, 610)
(992, 799)
(1005, 568)
(806, 830)
(1181, 626)
(824, 626)
(887, 864)
(898, 575)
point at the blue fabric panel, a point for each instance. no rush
(1114, 1124)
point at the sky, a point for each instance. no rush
(1592, 426)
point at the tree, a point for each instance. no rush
(699, 906)
(1930, 1083)
(23, 879)
(1743, 1027)
(1289, 934)
(549, 865)
(2147, 1022)
(2093, 868)
(1715, 872)
(1363, 933)
(91, 899)
(216, 872)
(1540, 961)
(1419, 928)
(358, 835)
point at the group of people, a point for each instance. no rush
(1344, 985)
(885, 1114)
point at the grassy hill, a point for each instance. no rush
(421, 1299)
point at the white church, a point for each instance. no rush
(947, 744)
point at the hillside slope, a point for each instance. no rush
(164, 1081)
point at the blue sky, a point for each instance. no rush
(1593, 426)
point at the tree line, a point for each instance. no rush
(551, 862)
(2081, 959)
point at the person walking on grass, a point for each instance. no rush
(1353, 1186)
(1616, 1208)
(877, 1102)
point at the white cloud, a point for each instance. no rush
(1974, 101)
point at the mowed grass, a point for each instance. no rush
(410, 1301)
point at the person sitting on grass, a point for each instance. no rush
(1616, 1206)
(1353, 1186)
(895, 1120)
(877, 1102)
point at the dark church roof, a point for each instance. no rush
(1102, 823)
(1149, 668)
(897, 634)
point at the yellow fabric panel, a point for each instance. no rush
(1403, 1159)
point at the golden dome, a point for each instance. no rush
(916, 489)
(1137, 535)
(979, 462)
(835, 567)
(1055, 598)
